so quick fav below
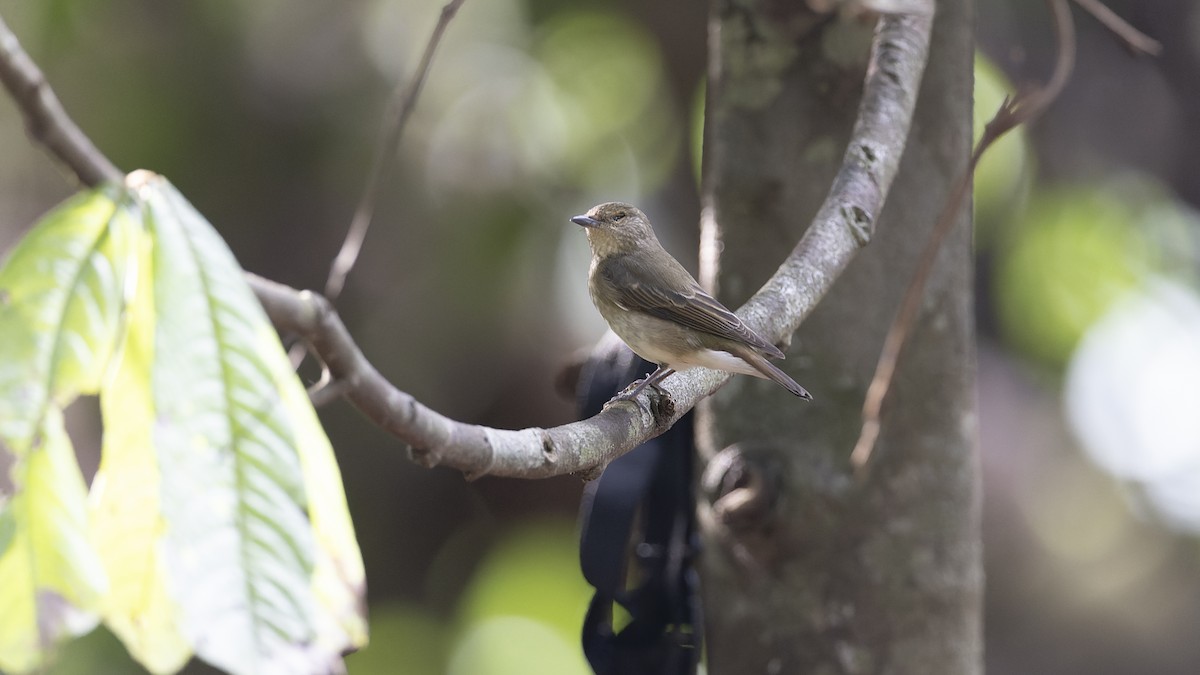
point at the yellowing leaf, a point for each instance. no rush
(62, 293)
(50, 577)
(267, 581)
(218, 509)
(127, 518)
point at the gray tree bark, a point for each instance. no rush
(808, 567)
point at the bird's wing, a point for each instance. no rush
(690, 306)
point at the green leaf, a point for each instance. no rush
(126, 514)
(258, 546)
(338, 576)
(50, 577)
(61, 297)
(62, 294)
(218, 511)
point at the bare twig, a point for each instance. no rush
(404, 100)
(1134, 40)
(1033, 104)
(1012, 113)
(45, 119)
(836, 234)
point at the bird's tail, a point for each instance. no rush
(768, 370)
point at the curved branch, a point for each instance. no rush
(48, 124)
(842, 226)
(1134, 40)
(579, 447)
(846, 220)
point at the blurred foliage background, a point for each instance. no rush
(471, 290)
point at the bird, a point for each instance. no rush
(660, 311)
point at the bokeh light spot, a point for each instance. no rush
(533, 572)
(584, 107)
(405, 640)
(1075, 254)
(514, 645)
(1132, 397)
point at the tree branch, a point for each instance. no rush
(45, 120)
(1134, 40)
(579, 447)
(846, 220)
(843, 225)
(404, 100)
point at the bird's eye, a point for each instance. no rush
(619, 216)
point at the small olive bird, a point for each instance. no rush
(653, 304)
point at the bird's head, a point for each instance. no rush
(616, 227)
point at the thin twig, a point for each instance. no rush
(1134, 40)
(585, 447)
(403, 101)
(45, 119)
(1013, 112)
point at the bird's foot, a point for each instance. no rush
(631, 392)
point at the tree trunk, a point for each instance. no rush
(806, 567)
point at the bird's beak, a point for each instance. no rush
(586, 221)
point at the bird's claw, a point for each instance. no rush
(630, 393)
